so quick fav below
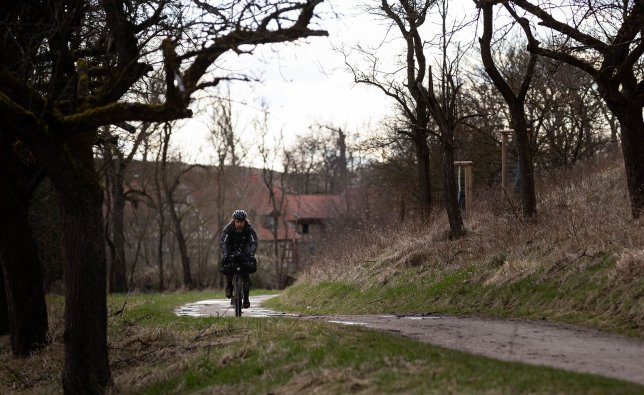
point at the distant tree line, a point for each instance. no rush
(565, 97)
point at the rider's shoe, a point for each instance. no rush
(246, 304)
(229, 291)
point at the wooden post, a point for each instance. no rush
(467, 167)
(504, 160)
(469, 196)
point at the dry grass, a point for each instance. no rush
(630, 264)
(582, 244)
(140, 355)
(582, 213)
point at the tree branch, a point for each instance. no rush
(549, 21)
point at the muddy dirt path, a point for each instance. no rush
(539, 343)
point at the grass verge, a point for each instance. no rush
(580, 260)
(152, 351)
(592, 297)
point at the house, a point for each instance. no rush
(291, 227)
(293, 223)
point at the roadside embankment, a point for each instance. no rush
(581, 261)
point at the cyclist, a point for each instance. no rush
(240, 236)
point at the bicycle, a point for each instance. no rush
(237, 298)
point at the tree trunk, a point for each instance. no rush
(456, 227)
(524, 153)
(160, 251)
(174, 217)
(118, 276)
(86, 368)
(4, 314)
(221, 217)
(25, 299)
(181, 241)
(632, 136)
(422, 167)
(23, 310)
(516, 105)
(161, 224)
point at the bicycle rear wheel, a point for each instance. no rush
(238, 294)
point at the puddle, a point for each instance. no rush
(222, 307)
(191, 310)
(348, 323)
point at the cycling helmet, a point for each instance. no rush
(240, 215)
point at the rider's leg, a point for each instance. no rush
(246, 290)
(229, 285)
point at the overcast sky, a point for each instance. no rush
(303, 83)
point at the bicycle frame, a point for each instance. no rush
(238, 292)
(237, 298)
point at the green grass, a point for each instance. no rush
(292, 356)
(591, 297)
(152, 351)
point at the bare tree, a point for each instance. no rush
(318, 161)
(169, 188)
(515, 100)
(303, 157)
(441, 102)
(567, 116)
(23, 308)
(605, 41)
(229, 153)
(117, 162)
(68, 69)
(4, 313)
(419, 102)
(270, 156)
(407, 95)
(335, 156)
(138, 232)
(391, 173)
(160, 207)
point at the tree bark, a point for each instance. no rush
(456, 227)
(516, 105)
(4, 314)
(174, 216)
(86, 369)
(118, 272)
(160, 222)
(632, 136)
(618, 80)
(423, 169)
(445, 117)
(23, 309)
(116, 165)
(524, 153)
(25, 299)
(181, 240)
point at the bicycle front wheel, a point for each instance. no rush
(238, 294)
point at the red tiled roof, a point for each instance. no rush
(245, 189)
(299, 207)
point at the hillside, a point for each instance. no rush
(580, 261)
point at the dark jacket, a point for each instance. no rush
(245, 241)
